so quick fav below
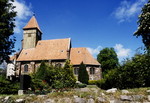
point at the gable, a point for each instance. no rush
(78, 55)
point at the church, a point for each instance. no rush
(54, 52)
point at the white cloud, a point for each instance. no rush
(23, 11)
(126, 10)
(94, 51)
(121, 51)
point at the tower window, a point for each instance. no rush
(29, 35)
(92, 70)
(76, 71)
(26, 68)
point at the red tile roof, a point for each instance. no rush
(78, 55)
(32, 24)
(46, 50)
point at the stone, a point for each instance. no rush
(84, 89)
(42, 96)
(79, 100)
(6, 99)
(20, 92)
(90, 100)
(137, 97)
(148, 91)
(148, 97)
(115, 101)
(113, 90)
(125, 98)
(100, 99)
(125, 91)
(31, 94)
(20, 100)
(102, 94)
(64, 100)
(49, 101)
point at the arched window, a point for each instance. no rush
(76, 71)
(58, 65)
(26, 68)
(92, 70)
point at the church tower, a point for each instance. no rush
(31, 34)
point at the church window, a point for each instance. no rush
(58, 65)
(92, 70)
(26, 68)
(76, 71)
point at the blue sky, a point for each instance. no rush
(94, 24)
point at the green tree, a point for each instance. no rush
(108, 59)
(83, 74)
(7, 15)
(42, 72)
(134, 73)
(144, 25)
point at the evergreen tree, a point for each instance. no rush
(144, 25)
(42, 72)
(108, 59)
(69, 77)
(7, 15)
(83, 74)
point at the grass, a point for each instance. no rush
(93, 91)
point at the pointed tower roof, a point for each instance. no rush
(32, 24)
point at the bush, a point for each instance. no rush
(83, 74)
(55, 77)
(80, 85)
(8, 87)
(92, 82)
(133, 73)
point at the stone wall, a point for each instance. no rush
(92, 76)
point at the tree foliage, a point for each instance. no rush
(55, 77)
(108, 59)
(144, 25)
(134, 73)
(7, 15)
(83, 74)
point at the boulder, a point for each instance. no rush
(125, 91)
(79, 100)
(148, 97)
(42, 96)
(49, 101)
(20, 100)
(137, 97)
(115, 101)
(101, 99)
(125, 98)
(113, 90)
(6, 99)
(90, 100)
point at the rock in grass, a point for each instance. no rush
(125, 91)
(49, 101)
(101, 99)
(148, 97)
(125, 98)
(90, 100)
(113, 90)
(20, 101)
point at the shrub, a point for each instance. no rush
(8, 87)
(83, 74)
(134, 73)
(92, 82)
(80, 85)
